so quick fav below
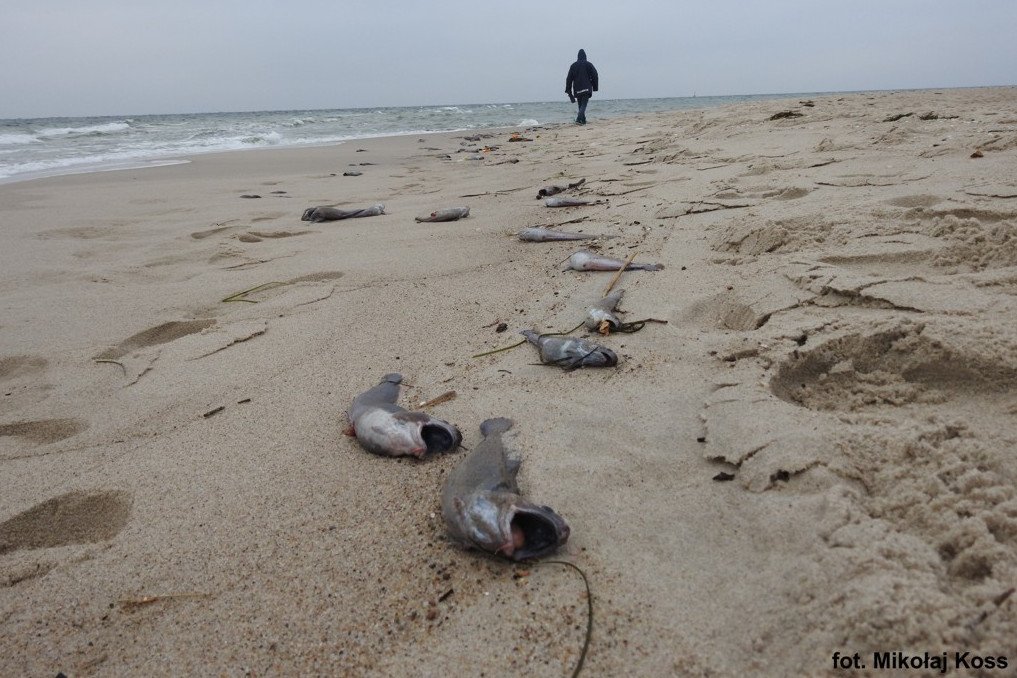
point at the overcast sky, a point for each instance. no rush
(120, 57)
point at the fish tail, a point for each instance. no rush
(392, 378)
(496, 425)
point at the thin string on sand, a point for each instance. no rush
(589, 611)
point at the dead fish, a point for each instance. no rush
(554, 189)
(571, 202)
(448, 214)
(318, 214)
(603, 311)
(584, 260)
(570, 353)
(538, 234)
(483, 509)
(383, 427)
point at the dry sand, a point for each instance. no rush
(842, 339)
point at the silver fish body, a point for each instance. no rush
(550, 234)
(603, 311)
(570, 352)
(483, 509)
(448, 214)
(585, 260)
(319, 214)
(382, 427)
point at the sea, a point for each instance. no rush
(38, 147)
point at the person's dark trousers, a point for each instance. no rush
(583, 99)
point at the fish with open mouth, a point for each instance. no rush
(482, 507)
(603, 312)
(570, 353)
(585, 260)
(382, 427)
(447, 214)
(319, 214)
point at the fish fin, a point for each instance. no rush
(512, 465)
(495, 425)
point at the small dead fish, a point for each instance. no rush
(538, 234)
(603, 311)
(318, 214)
(483, 509)
(382, 427)
(570, 353)
(555, 189)
(448, 214)
(571, 202)
(584, 260)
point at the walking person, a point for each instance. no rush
(580, 84)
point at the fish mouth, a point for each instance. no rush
(540, 530)
(440, 436)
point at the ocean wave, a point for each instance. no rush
(267, 138)
(88, 130)
(528, 122)
(18, 139)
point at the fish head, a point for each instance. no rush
(601, 357)
(508, 525)
(418, 433)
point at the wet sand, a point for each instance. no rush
(815, 454)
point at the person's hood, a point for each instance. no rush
(582, 55)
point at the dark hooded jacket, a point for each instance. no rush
(582, 77)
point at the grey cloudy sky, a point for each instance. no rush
(113, 57)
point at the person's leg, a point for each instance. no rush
(582, 109)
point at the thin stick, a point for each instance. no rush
(620, 271)
(443, 398)
(238, 295)
(131, 603)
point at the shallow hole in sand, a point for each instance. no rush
(72, 518)
(894, 367)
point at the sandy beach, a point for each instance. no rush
(816, 453)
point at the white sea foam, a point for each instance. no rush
(18, 139)
(528, 122)
(107, 128)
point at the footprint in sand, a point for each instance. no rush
(915, 201)
(901, 365)
(72, 518)
(201, 235)
(43, 431)
(269, 216)
(258, 236)
(154, 336)
(20, 366)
